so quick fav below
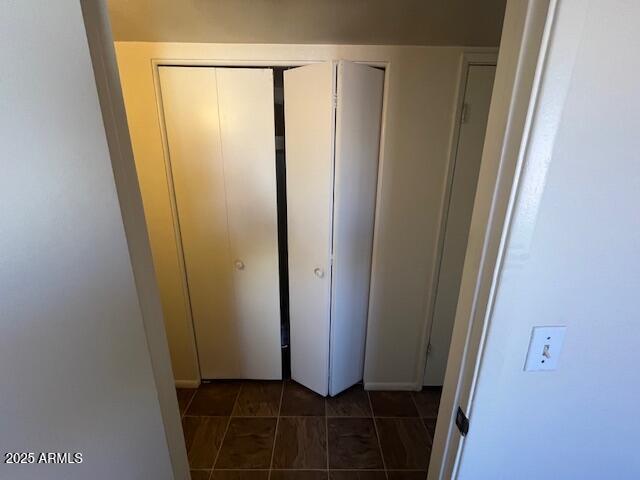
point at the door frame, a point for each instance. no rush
(467, 60)
(526, 31)
(109, 95)
(156, 63)
(525, 35)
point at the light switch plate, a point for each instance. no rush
(544, 348)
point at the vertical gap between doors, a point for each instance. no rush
(281, 188)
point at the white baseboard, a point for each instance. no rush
(187, 383)
(410, 386)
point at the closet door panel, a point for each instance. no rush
(247, 129)
(358, 118)
(190, 105)
(309, 123)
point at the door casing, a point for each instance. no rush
(468, 60)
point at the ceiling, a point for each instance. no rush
(393, 22)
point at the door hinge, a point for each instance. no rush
(464, 116)
(334, 100)
(462, 422)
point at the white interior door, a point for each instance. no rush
(309, 139)
(220, 134)
(477, 98)
(358, 118)
(190, 105)
(247, 130)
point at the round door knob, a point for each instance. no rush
(239, 265)
(318, 272)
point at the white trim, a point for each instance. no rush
(391, 386)
(377, 219)
(526, 31)
(188, 383)
(174, 216)
(247, 62)
(530, 105)
(467, 59)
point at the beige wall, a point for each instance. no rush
(378, 22)
(422, 83)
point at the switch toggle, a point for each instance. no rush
(544, 348)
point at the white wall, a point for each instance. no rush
(572, 259)
(75, 368)
(420, 102)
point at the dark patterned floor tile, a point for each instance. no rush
(430, 425)
(357, 475)
(203, 436)
(404, 475)
(200, 474)
(300, 443)
(240, 475)
(300, 401)
(353, 444)
(393, 404)
(298, 475)
(428, 401)
(248, 443)
(353, 402)
(259, 399)
(184, 397)
(216, 399)
(405, 443)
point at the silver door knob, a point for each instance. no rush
(239, 265)
(318, 272)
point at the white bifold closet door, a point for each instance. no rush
(221, 140)
(332, 117)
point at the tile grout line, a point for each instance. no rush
(421, 418)
(226, 430)
(218, 453)
(415, 404)
(184, 414)
(375, 426)
(186, 408)
(275, 433)
(385, 468)
(425, 426)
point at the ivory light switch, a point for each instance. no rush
(544, 348)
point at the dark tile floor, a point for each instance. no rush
(283, 431)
